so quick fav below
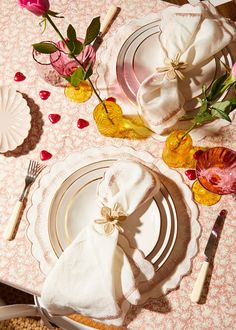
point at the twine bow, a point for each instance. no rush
(111, 218)
(173, 67)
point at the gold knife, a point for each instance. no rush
(209, 255)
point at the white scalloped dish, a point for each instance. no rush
(132, 54)
(15, 119)
(176, 242)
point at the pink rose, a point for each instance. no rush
(37, 7)
(65, 65)
(234, 70)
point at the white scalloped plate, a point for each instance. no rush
(107, 81)
(152, 228)
(74, 207)
(14, 119)
(140, 55)
(184, 248)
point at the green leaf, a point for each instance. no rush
(75, 47)
(231, 108)
(220, 114)
(232, 101)
(202, 118)
(77, 77)
(71, 45)
(45, 47)
(92, 31)
(71, 33)
(219, 110)
(89, 72)
(221, 105)
(78, 47)
(68, 78)
(216, 87)
(223, 109)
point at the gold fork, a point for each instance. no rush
(33, 171)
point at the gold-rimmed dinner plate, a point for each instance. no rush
(152, 228)
(141, 54)
(178, 227)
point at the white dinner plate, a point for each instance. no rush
(174, 214)
(140, 55)
(152, 228)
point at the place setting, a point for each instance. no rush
(160, 233)
(127, 187)
(136, 58)
(65, 205)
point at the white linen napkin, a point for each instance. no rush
(99, 271)
(190, 35)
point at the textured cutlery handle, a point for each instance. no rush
(198, 286)
(11, 225)
(108, 18)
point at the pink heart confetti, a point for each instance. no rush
(111, 99)
(44, 95)
(191, 174)
(19, 76)
(45, 155)
(54, 118)
(82, 123)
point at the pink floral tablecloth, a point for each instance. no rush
(18, 268)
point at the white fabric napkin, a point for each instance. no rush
(99, 271)
(190, 35)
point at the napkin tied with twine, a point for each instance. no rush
(98, 272)
(190, 36)
(173, 67)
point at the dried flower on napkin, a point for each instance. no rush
(190, 36)
(99, 273)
